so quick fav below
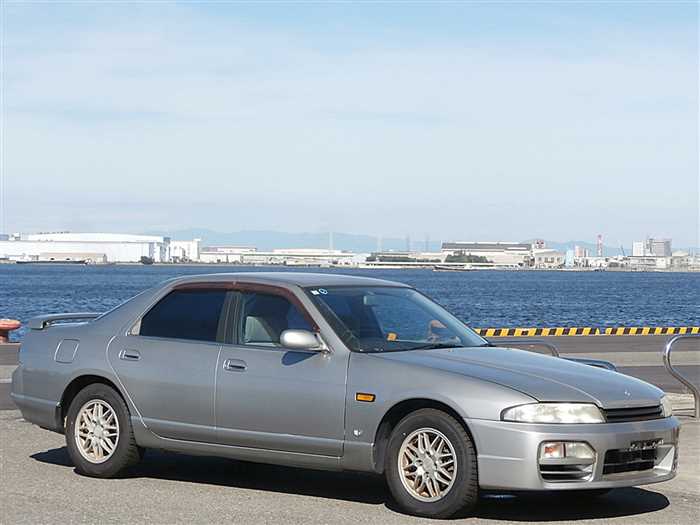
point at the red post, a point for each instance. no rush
(6, 326)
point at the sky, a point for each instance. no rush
(457, 120)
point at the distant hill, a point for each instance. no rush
(359, 243)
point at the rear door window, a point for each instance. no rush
(186, 314)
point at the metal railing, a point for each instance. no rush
(529, 342)
(599, 363)
(675, 373)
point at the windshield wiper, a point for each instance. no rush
(430, 346)
(434, 346)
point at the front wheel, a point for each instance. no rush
(99, 437)
(431, 465)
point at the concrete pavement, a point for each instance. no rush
(39, 485)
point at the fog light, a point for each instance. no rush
(566, 449)
(579, 450)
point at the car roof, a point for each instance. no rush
(303, 279)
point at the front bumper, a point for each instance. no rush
(508, 453)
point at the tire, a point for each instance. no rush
(431, 492)
(104, 444)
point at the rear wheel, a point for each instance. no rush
(99, 436)
(431, 465)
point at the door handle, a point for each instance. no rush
(129, 355)
(235, 365)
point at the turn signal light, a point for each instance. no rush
(552, 451)
(367, 398)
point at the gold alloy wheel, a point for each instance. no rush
(96, 431)
(427, 464)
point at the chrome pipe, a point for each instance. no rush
(675, 373)
(528, 342)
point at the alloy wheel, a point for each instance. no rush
(427, 464)
(97, 431)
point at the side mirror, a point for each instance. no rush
(301, 340)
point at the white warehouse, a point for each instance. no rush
(99, 247)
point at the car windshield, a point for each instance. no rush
(385, 319)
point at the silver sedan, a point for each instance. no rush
(341, 373)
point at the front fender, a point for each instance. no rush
(393, 382)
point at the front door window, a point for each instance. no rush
(265, 316)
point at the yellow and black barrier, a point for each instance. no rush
(588, 330)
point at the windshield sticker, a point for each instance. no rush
(322, 291)
(315, 292)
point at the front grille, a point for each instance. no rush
(573, 472)
(625, 460)
(625, 415)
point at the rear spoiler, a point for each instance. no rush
(43, 321)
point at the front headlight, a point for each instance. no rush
(666, 407)
(554, 413)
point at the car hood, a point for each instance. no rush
(542, 377)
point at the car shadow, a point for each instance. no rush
(171, 466)
(543, 507)
(371, 489)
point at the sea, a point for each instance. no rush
(482, 298)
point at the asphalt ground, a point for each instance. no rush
(38, 485)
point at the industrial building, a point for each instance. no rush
(185, 251)
(402, 259)
(299, 257)
(652, 248)
(105, 248)
(516, 254)
(225, 254)
(548, 258)
(89, 247)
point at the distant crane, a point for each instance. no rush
(599, 245)
(622, 249)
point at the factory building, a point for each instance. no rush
(89, 247)
(652, 248)
(547, 258)
(282, 256)
(516, 254)
(299, 257)
(225, 254)
(185, 251)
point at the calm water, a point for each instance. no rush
(482, 298)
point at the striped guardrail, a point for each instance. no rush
(588, 330)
